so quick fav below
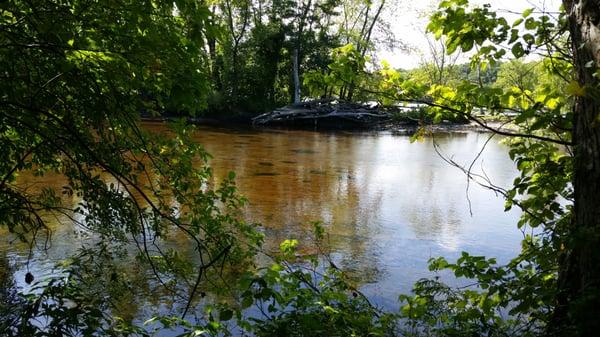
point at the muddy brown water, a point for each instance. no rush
(388, 204)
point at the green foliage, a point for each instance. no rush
(251, 54)
(501, 300)
(302, 298)
(76, 76)
(517, 298)
(251, 59)
(535, 98)
(347, 66)
(9, 298)
(81, 301)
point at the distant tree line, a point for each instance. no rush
(258, 51)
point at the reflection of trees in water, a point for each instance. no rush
(70, 235)
(358, 210)
(317, 178)
(432, 211)
(333, 178)
(435, 216)
(441, 209)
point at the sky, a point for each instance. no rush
(408, 20)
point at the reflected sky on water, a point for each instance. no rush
(388, 204)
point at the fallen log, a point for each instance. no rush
(320, 110)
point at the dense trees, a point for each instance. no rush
(77, 74)
(266, 47)
(75, 77)
(579, 275)
(551, 287)
(556, 151)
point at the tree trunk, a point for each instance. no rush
(578, 306)
(296, 76)
(297, 49)
(366, 39)
(236, 39)
(212, 52)
(214, 67)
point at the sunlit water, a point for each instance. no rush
(388, 204)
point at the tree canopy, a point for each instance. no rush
(78, 74)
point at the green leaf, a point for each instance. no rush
(531, 24)
(288, 246)
(225, 314)
(517, 50)
(247, 302)
(574, 89)
(517, 22)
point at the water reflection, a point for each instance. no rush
(388, 204)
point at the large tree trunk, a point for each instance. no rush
(578, 307)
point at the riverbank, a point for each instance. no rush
(394, 126)
(334, 115)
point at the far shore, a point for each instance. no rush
(245, 122)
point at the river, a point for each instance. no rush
(388, 204)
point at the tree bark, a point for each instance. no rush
(578, 306)
(211, 41)
(295, 65)
(366, 39)
(236, 39)
(297, 50)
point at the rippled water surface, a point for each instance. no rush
(388, 204)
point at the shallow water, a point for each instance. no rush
(387, 204)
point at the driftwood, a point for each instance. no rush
(327, 111)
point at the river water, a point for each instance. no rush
(388, 204)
